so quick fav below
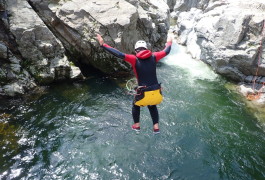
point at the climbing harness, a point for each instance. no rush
(257, 94)
(144, 95)
(148, 95)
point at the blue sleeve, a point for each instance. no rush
(168, 48)
(113, 51)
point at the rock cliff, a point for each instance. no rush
(121, 23)
(227, 35)
(30, 54)
(47, 41)
(41, 41)
(13, 78)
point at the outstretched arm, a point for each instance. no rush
(159, 55)
(126, 57)
(110, 49)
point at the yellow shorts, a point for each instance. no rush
(153, 97)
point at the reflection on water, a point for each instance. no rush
(82, 131)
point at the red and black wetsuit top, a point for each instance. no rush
(143, 63)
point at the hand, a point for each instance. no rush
(169, 39)
(100, 39)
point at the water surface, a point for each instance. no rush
(82, 131)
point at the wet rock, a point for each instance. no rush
(226, 35)
(121, 23)
(75, 73)
(3, 51)
(182, 6)
(39, 48)
(13, 89)
(262, 80)
(171, 4)
(249, 79)
(258, 87)
(35, 45)
(14, 80)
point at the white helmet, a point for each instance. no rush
(139, 44)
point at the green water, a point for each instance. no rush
(82, 131)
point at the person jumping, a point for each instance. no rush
(148, 92)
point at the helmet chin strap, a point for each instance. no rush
(140, 49)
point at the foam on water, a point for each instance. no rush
(196, 69)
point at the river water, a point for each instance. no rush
(82, 131)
